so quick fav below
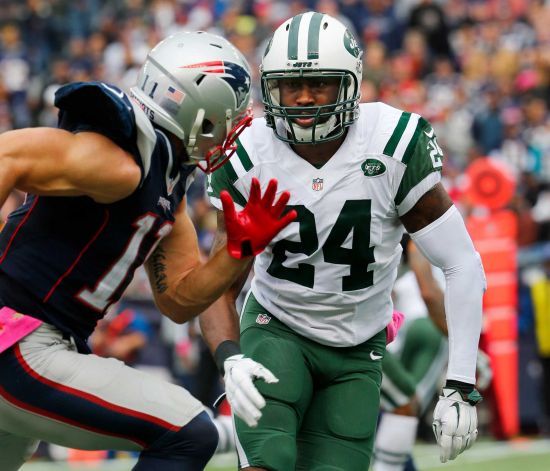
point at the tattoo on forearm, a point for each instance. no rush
(158, 263)
(220, 237)
(219, 240)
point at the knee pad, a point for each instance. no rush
(189, 448)
(279, 454)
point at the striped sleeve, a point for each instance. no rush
(226, 178)
(413, 143)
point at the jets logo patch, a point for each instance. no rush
(373, 168)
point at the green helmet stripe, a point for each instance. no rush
(293, 31)
(243, 156)
(313, 36)
(397, 134)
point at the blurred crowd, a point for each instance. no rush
(478, 70)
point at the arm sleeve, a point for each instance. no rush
(447, 245)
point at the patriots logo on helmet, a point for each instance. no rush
(235, 75)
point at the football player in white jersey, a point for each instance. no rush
(321, 295)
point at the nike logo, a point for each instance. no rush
(457, 407)
(430, 134)
(374, 356)
(116, 92)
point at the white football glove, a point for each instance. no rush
(455, 422)
(244, 398)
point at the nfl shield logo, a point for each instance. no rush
(263, 319)
(317, 184)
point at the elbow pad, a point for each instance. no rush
(447, 245)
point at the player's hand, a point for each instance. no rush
(484, 372)
(245, 400)
(250, 230)
(455, 422)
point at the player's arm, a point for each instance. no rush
(433, 297)
(439, 232)
(220, 322)
(220, 329)
(431, 292)
(55, 162)
(183, 286)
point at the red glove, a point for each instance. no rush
(250, 230)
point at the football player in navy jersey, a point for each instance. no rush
(105, 194)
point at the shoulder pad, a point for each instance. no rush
(104, 108)
(97, 102)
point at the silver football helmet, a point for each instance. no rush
(196, 85)
(311, 45)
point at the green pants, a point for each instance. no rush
(321, 415)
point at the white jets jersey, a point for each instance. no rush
(329, 274)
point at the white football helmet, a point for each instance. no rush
(196, 85)
(311, 45)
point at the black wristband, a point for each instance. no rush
(468, 391)
(464, 388)
(226, 349)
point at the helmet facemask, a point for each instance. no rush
(329, 121)
(217, 155)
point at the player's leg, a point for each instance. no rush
(398, 425)
(272, 444)
(339, 427)
(398, 385)
(424, 356)
(81, 401)
(408, 386)
(15, 450)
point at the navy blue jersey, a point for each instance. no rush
(65, 260)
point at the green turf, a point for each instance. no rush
(528, 455)
(518, 463)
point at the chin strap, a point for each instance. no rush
(192, 140)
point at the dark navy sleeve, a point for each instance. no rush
(101, 108)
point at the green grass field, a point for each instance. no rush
(518, 455)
